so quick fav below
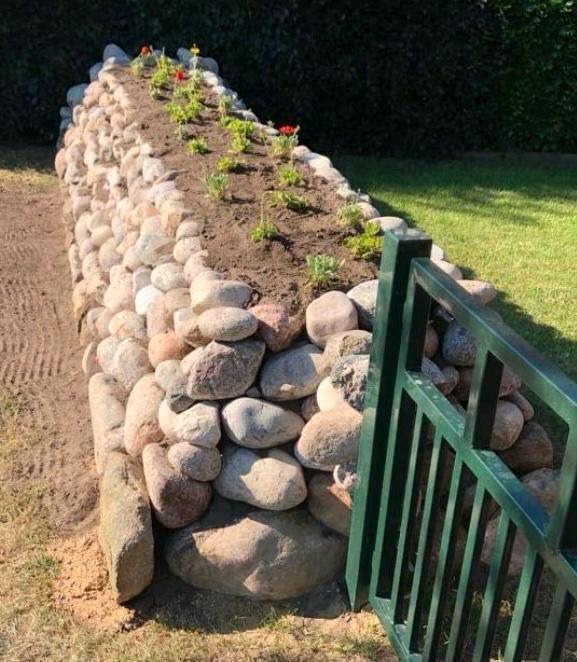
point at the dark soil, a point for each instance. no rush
(276, 269)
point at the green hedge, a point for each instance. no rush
(394, 76)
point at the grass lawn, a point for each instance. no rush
(512, 223)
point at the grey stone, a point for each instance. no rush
(227, 324)
(221, 370)
(459, 346)
(271, 480)
(207, 294)
(130, 363)
(198, 425)
(481, 291)
(260, 424)
(154, 249)
(328, 397)
(127, 324)
(349, 378)
(329, 438)
(294, 373)
(106, 415)
(331, 313)
(170, 377)
(105, 352)
(349, 342)
(141, 423)
(176, 500)
(364, 296)
(118, 296)
(243, 558)
(195, 462)
(168, 276)
(125, 530)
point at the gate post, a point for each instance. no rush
(399, 249)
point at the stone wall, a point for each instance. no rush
(234, 426)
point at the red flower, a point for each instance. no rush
(287, 130)
(179, 75)
(145, 50)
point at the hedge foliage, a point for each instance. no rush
(394, 76)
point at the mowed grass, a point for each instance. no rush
(508, 222)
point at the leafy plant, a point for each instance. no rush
(197, 146)
(322, 269)
(264, 229)
(180, 132)
(188, 91)
(283, 144)
(239, 127)
(137, 67)
(349, 215)
(216, 184)
(288, 175)
(228, 164)
(181, 114)
(290, 200)
(224, 105)
(368, 244)
(240, 144)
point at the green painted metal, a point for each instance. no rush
(404, 536)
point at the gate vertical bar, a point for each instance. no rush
(399, 249)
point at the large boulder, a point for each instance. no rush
(276, 326)
(264, 556)
(507, 427)
(274, 481)
(224, 370)
(349, 378)
(330, 503)
(364, 296)
(532, 450)
(125, 530)
(294, 373)
(257, 423)
(141, 424)
(107, 415)
(349, 342)
(333, 312)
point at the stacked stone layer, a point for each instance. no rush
(235, 425)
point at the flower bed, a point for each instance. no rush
(227, 310)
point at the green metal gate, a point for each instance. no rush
(397, 515)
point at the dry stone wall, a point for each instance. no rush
(235, 426)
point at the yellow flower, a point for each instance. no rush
(195, 50)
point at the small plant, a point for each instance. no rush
(239, 127)
(197, 146)
(137, 67)
(289, 200)
(240, 144)
(288, 175)
(145, 58)
(187, 91)
(283, 144)
(224, 106)
(322, 269)
(180, 132)
(181, 114)
(368, 244)
(349, 215)
(263, 230)
(229, 164)
(216, 184)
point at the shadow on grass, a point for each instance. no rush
(19, 157)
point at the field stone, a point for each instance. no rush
(130, 363)
(293, 374)
(145, 298)
(309, 407)
(349, 378)
(543, 484)
(118, 296)
(390, 223)
(224, 370)
(349, 342)
(481, 291)
(90, 364)
(364, 296)
(166, 346)
(186, 247)
(154, 249)
(508, 424)
(431, 342)
(333, 312)
(243, 558)
(105, 352)
(532, 450)
(195, 462)
(450, 269)
(125, 528)
(140, 279)
(214, 293)
(459, 346)
(444, 382)
(524, 405)
(168, 276)
(509, 384)
(254, 423)
(276, 327)
(198, 425)
(141, 424)
(107, 414)
(227, 324)
(329, 438)
(272, 480)
(330, 504)
(127, 324)
(328, 397)
(176, 500)
(170, 377)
